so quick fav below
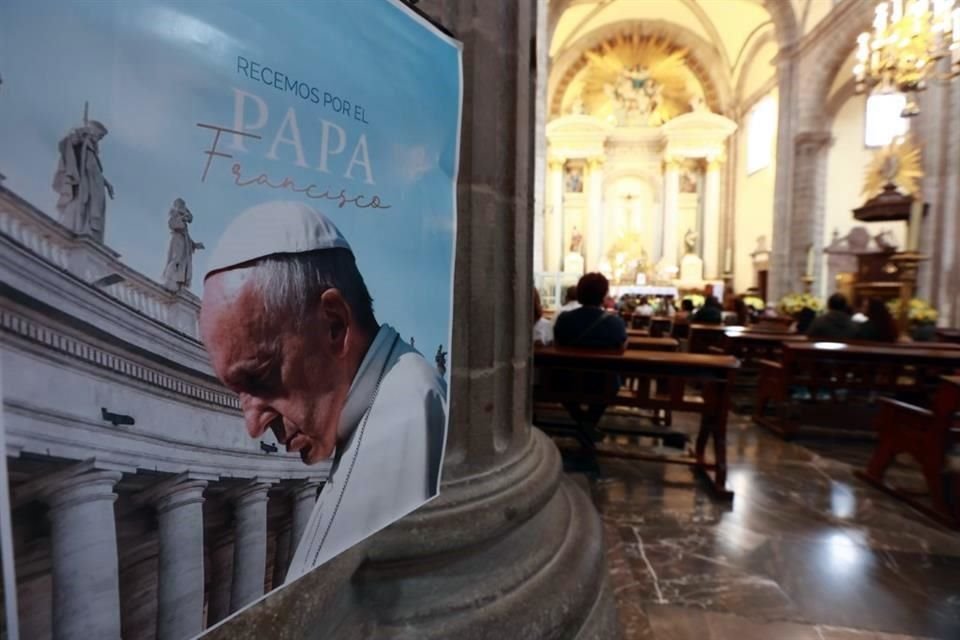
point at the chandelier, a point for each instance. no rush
(909, 39)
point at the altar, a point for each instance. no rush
(635, 166)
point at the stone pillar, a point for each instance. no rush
(250, 544)
(555, 249)
(671, 198)
(508, 530)
(594, 235)
(780, 275)
(282, 555)
(807, 211)
(304, 498)
(180, 585)
(711, 220)
(86, 583)
(221, 580)
(540, 143)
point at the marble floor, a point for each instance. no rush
(805, 551)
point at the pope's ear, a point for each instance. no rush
(337, 318)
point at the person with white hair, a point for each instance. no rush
(289, 325)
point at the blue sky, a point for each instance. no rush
(152, 70)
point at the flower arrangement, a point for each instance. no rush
(918, 311)
(793, 303)
(696, 298)
(754, 303)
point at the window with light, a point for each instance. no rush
(761, 129)
(882, 121)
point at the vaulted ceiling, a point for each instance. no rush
(736, 40)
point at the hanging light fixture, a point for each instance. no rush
(902, 53)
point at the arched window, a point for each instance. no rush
(761, 132)
(882, 122)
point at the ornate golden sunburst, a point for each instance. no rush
(900, 163)
(655, 58)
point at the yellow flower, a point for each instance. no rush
(918, 311)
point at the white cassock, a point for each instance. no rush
(393, 423)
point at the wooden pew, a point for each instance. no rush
(661, 326)
(646, 343)
(704, 336)
(661, 381)
(681, 329)
(949, 335)
(848, 374)
(753, 346)
(773, 325)
(927, 435)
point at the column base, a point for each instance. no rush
(516, 552)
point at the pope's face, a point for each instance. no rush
(293, 382)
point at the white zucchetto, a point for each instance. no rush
(273, 228)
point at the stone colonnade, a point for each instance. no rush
(85, 557)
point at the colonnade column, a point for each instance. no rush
(711, 219)
(179, 507)
(671, 200)
(594, 235)
(221, 579)
(250, 544)
(555, 248)
(304, 499)
(86, 581)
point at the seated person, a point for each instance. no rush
(644, 308)
(836, 323)
(569, 302)
(710, 313)
(590, 326)
(686, 311)
(542, 328)
(880, 325)
(804, 319)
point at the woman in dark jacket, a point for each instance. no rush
(880, 325)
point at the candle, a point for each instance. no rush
(896, 11)
(810, 258)
(728, 261)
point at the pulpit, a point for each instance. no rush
(877, 277)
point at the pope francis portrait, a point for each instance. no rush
(289, 325)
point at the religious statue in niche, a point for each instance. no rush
(80, 182)
(691, 265)
(576, 241)
(178, 273)
(574, 179)
(690, 241)
(688, 181)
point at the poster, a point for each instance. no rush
(227, 239)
